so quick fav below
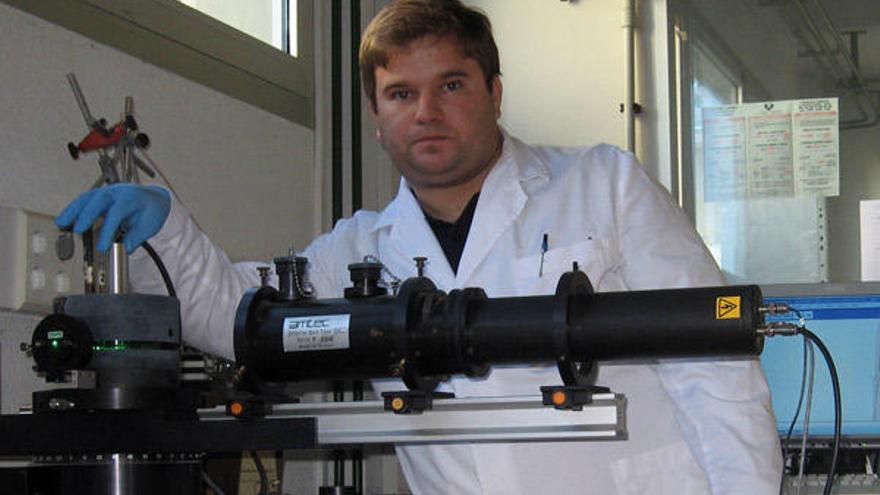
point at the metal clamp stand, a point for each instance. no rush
(576, 390)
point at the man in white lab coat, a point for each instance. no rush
(479, 205)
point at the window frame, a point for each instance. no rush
(189, 43)
(690, 32)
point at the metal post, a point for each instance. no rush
(117, 269)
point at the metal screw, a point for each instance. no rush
(264, 275)
(420, 264)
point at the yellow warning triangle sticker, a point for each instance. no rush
(727, 307)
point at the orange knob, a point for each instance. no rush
(559, 398)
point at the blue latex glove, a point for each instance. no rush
(139, 210)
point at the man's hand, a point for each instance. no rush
(139, 210)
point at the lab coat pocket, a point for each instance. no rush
(592, 257)
(668, 469)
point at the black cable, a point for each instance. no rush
(264, 479)
(835, 384)
(169, 286)
(797, 414)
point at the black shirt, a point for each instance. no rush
(452, 236)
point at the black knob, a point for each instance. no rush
(365, 277)
(291, 271)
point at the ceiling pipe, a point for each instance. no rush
(855, 73)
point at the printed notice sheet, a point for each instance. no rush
(725, 170)
(869, 219)
(771, 149)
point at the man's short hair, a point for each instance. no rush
(404, 21)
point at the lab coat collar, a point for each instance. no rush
(516, 174)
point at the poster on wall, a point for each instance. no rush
(725, 166)
(869, 222)
(773, 149)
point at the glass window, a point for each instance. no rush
(711, 87)
(239, 48)
(271, 21)
(760, 225)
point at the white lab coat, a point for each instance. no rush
(694, 426)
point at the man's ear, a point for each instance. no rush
(497, 89)
(374, 113)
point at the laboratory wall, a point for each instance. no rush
(562, 66)
(246, 175)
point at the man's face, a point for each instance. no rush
(436, 117)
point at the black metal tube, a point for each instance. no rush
(357, 455)
(339, 454)
(339, 468)
(512, 330)
(671, 323)
(366, 355)
(356, 151)
(285, 26)
(430, 333)
(357, 471)
(336, 96)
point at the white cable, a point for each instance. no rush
(801, 395)
(807, 410)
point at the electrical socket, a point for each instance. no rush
(32, 274)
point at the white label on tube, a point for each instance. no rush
(316, 333)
